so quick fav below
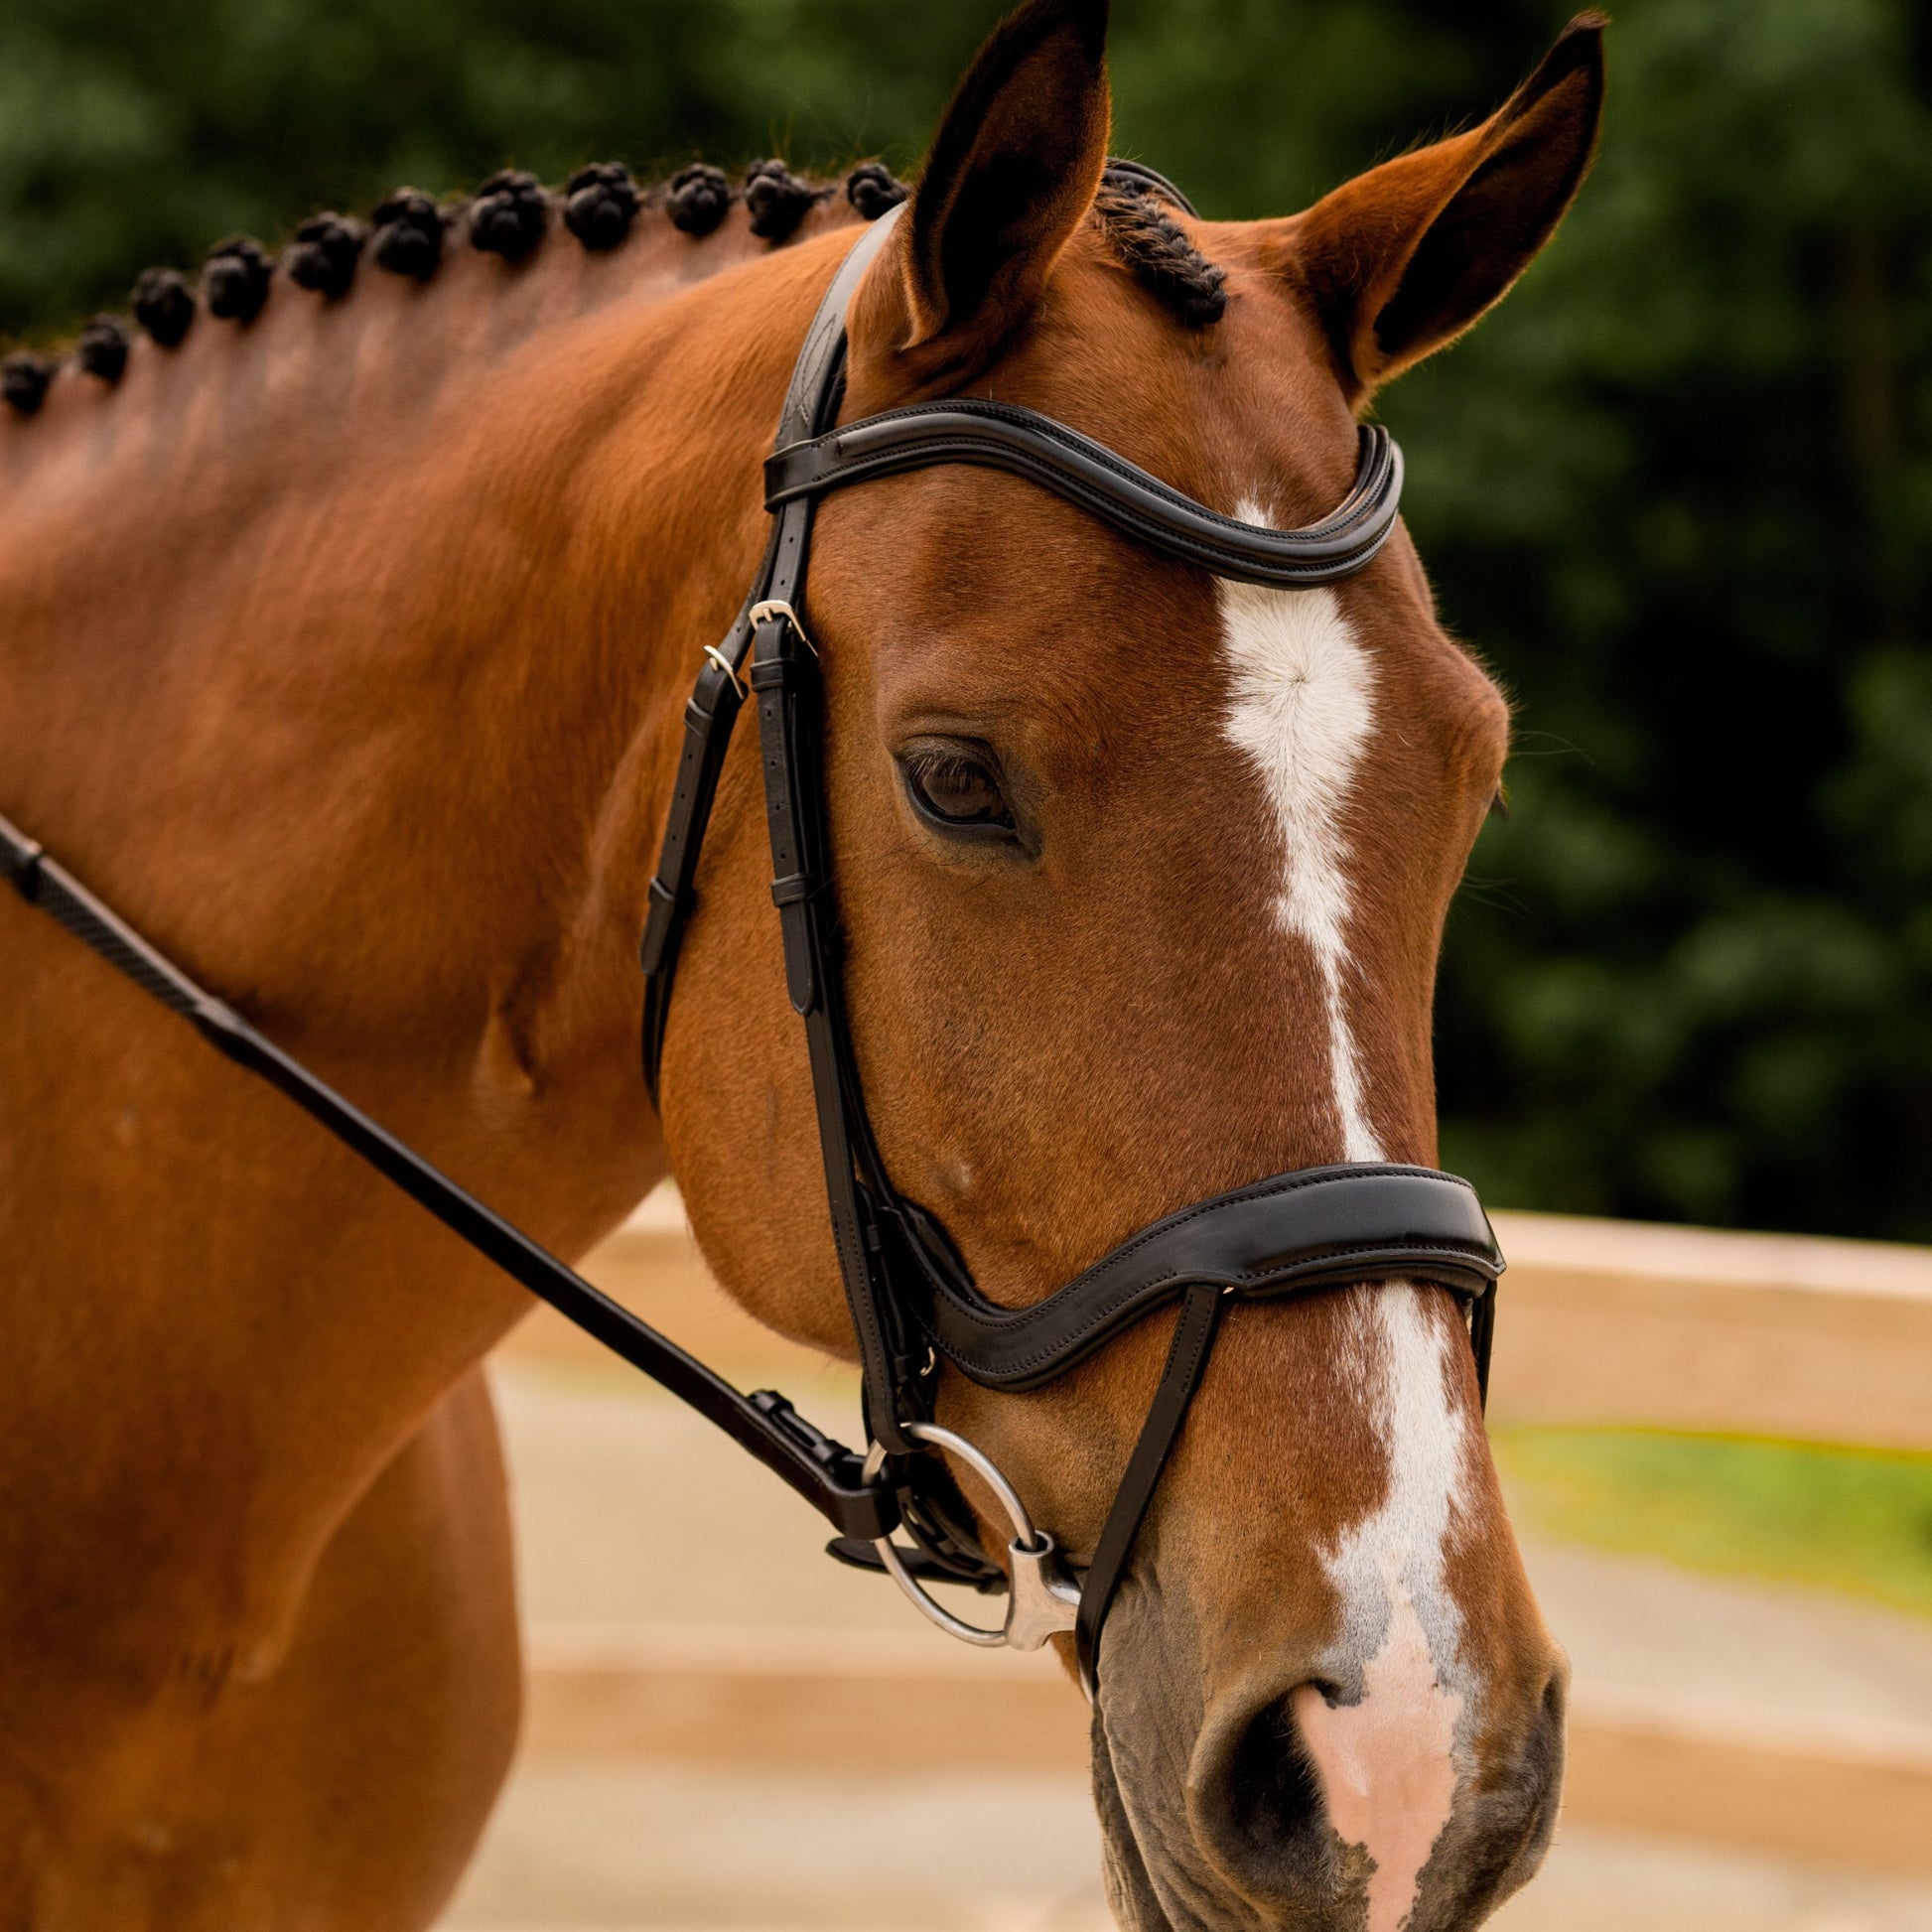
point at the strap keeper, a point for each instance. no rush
(791, 472)
(794, 888)
(771, 673)
(22, 856)
(659, 922)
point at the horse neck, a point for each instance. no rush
(378, 751)
(380, 747)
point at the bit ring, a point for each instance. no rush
(1042, 1598)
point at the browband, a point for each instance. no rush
(1004, 436)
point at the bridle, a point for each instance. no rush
(912, 1300)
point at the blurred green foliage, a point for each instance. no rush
(1855, 1520)
(1678, 490)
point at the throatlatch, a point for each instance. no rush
(913, 1303)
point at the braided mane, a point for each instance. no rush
(511, 214)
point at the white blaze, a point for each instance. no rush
(1304, 692)
(1387, 1762)
(1303, 704)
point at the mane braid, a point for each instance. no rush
(408, 234)
(325, 252)
(776, 200)
(599, 204)
(699, 198)
(23, 381)
(1155, 246)
(102, 348)
(508, 215)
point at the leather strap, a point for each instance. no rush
(812, 397)
(1193, 1339)
(1311, 1228)
(1482, 1335)
(785, 684)
(708, 716)
(1154, 514)
(823, 1472)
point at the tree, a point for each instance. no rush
(1677, 489)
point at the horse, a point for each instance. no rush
(347, 615)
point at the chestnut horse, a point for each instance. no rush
(344, 633)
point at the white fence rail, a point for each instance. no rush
(1616, 1323)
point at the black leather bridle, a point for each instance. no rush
(912, 1302)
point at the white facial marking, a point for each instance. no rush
(1303, 702)
(1388, 1761)
(1302, 707)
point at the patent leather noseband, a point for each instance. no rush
(914, 1304)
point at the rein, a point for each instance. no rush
(912, 1300)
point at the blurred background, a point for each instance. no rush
(1678, 488)
(1678, 491)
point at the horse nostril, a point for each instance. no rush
(1319, 1803)
(1511, 1818)
(1540, 1765)
(1262, 1809)
(1555, 1697)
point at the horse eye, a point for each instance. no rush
(953, 788)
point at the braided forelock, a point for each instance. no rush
(1155, 246)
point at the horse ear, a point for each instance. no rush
(1404, 258)
(1009, 176)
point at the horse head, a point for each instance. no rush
(1142, 876)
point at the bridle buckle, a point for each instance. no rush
(729, 669)
(776, 607)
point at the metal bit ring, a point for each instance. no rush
(1042, 1599)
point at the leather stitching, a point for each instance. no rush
(1049, 452)
(1003, 1330)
